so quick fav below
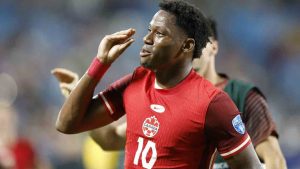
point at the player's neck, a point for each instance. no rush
(170, 78)
(211, 74)
(215, 78)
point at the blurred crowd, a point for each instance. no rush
(259, 42)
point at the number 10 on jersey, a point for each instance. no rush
(145, 151)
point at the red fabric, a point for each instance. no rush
(24, 154)
(116, 91)
(168, 126)
(219, 127)
(257, 115)
(97, 69)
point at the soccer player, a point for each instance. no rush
(175, 118)
(256, 116)
(251, 103)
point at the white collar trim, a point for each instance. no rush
(156, 85)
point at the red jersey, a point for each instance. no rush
(179, 127)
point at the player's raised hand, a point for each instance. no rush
(112, 46)
(67, 80)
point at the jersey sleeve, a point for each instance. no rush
(224, 126)
(257, 117)
(112, 97)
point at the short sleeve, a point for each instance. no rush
(112, 97)
(224, 126)
(258, 118)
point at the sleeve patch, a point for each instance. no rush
(238, 124)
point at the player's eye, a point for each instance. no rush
(159, 34)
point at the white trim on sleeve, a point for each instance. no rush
(237, 148)
(211, 163)
(106, 103)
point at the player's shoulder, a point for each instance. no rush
(240, 83)
(239, 89)
(242, 86)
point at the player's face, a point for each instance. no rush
(208, 53)
(163, 42)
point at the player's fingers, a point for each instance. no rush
(56, 70)
(125, 45)
(61, 74)
(115, 38)
(66, 89)
(64, 75)
(120, 36)
(66, 86)
(66, 93)
(129, 31)
(63, 71)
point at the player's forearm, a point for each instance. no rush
(247, 159)
(78, 114)
(269, 151)
(76, 105)
(107, 138)
(275, 162)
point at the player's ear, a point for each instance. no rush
(215, 46)
(188, 45)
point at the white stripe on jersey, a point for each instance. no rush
(237, 148)
(106, 103)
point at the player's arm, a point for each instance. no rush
(67, 80)
(246, 159)
(81, 112)
(269, 151)
(261, 128)
(116, 133)
(225, 128)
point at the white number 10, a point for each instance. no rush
(149, 145)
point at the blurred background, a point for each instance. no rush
(259, 42)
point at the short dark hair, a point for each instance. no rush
(191, 20)
(213, 26)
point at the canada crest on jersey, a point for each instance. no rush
(150, 126)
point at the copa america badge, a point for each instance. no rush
(238, 124)
(150, 126)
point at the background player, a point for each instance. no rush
(251, 103)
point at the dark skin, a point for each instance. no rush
(167, 51)
(164, 52)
